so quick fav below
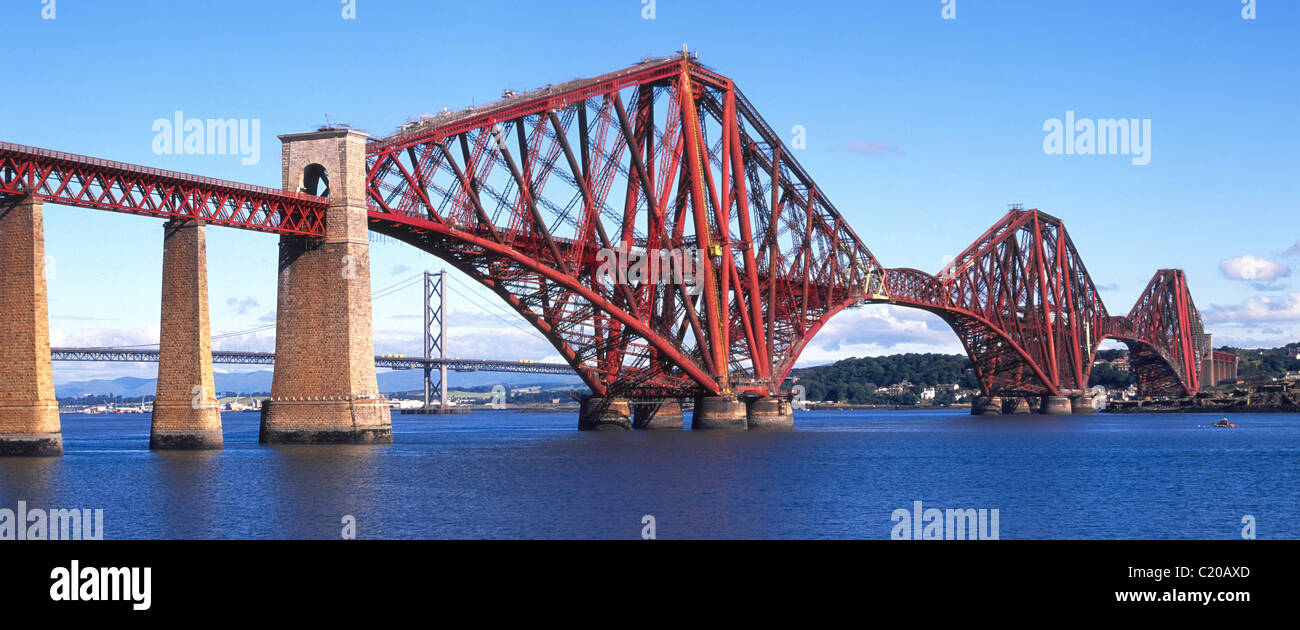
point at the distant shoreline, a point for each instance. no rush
(1203, 409)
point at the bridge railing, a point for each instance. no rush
(79, 180)
(10, 147)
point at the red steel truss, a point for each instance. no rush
(1165, 336)
(530, 195)
(1030, 318)
(666, 156)
(525, 194)
(76, 180)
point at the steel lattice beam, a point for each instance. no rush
(77, 180)
(525, 194)
(1031, 320)
(522, 195)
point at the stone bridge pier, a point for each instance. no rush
(324, 389)
(185, 411)
(29, 413)
(770, 413)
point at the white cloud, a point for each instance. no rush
(1261, 272)
(242, 305)
(104, 337)
(1257, 309)
(470, 342)
(1250, 340)
(258, 341)
(874, 330)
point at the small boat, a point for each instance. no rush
(1224, 424)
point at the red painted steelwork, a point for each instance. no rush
(1028, 314)
(518, 195)
(529, 194)
(77, 180)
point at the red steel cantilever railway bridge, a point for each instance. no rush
(522, 194)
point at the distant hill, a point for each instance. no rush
(128, 386)
(855, 380)
(260, 382)
(1266, 363)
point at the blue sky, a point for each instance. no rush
(919, 128)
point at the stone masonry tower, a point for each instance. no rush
(29, 413)
(324, 390)
(185, 412)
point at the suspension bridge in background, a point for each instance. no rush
(391, 362)
(435, 367)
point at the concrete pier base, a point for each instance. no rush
(726, 413)
(324, 390)
(1016, 406)
(1082, 405)
(605, 414)
(1055, 406)
(185, 411)
(299, 422)
(665, 415)
(30, 444)
(29, 413)
(189, 439)
(986, 406)
(770, 414)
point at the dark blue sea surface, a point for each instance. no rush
(500, 474)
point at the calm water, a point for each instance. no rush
(838, 475)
